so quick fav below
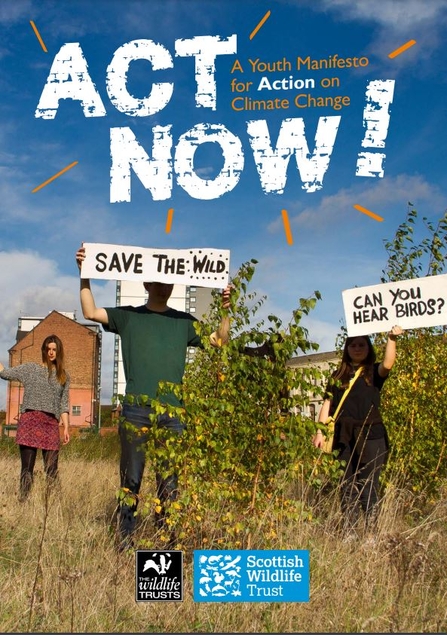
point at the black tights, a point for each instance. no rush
(28, 458)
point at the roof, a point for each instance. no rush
(314, 358)
(53, 316)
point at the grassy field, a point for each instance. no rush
(60, 572)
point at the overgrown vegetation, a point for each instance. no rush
(245, 438)
(75, 581)
(415, 398)
(247, 443)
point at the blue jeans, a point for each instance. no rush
(133, 459)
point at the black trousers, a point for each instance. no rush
(360, 482)
(28, 459)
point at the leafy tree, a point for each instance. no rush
(245, 436)
(415, 397)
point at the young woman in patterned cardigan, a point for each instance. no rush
(44, 405)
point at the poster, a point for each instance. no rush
(292, 132)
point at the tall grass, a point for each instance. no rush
(60, 571)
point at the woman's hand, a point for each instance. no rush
(318, 439)
(390, 351)
(395, 332)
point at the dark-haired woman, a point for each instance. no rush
(44, 404)
(360, 435)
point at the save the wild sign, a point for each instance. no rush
(201, 267)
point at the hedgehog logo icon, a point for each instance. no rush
(159, 576)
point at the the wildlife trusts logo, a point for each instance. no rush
(159, 576)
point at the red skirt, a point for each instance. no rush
(38, 430)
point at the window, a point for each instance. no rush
(76, 411)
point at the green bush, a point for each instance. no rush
(415, 396)
(245, 438)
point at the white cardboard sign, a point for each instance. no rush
(201, 267)
(411, 304)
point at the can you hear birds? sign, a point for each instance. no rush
(415, 303)
(201, 267)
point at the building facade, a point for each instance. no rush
(324, 362)
(82, 347)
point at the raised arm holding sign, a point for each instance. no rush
(154, 340)
(415, 303)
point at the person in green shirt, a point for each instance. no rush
(154, 340)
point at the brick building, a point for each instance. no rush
(82, 347)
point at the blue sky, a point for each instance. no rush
(335, 247)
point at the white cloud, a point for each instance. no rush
(398, 15)
(12, 12)
(394, 22)
(380, 197)
(323, 333)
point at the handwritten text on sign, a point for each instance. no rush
(201, 267)
(410, 303)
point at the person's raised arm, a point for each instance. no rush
(222, 335)
(89, 309)
(390, 352)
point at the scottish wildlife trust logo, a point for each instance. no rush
(159, 576)
(251, 575)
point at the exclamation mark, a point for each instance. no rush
(376, 119)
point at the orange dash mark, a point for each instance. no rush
(368, 213)
(401, 49)
(285, 220)
(260, 24)
(169, 220)
(38, 36)
(39, 187)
